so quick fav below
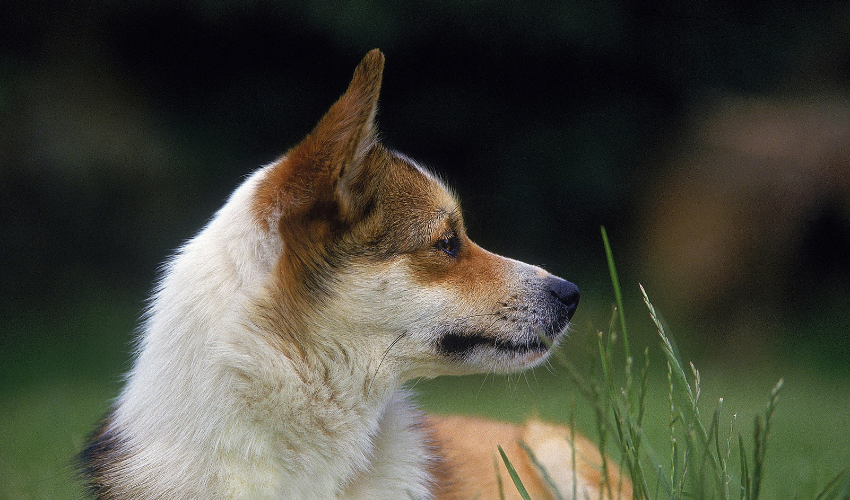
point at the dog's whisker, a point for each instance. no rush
(481, 315)
(381, 362)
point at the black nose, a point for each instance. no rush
(566, 293)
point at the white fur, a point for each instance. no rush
(250, 384)
(225, 414)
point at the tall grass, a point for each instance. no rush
(706, 458)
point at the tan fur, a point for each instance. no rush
(475, 468)
(272, 360)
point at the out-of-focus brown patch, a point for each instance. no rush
(472, 468)
(728, 225)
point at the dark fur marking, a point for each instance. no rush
(99, 460)
(460, 344)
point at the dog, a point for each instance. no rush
(273, 355)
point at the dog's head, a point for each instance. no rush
(375, 257)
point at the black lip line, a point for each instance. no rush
(458, 344)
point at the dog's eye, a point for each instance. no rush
(450, 245)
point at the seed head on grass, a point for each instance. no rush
(699, 465)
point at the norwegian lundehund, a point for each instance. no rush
(272, 359)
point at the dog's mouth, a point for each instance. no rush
(459, 344)
(519, 336)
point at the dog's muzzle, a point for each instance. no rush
(557, 300)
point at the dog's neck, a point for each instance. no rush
(257, 409)
(332, 409)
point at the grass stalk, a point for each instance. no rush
(618, 294)
(545, 473)
(699, 457)
(514, 476)
(838, 488)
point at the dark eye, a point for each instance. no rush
(450, 245)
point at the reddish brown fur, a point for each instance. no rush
(340, 210)
(334, 200)
(472, 467)
(306, 178)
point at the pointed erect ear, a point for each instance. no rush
(346, 131)
(310, 173)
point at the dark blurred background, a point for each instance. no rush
(710, 138)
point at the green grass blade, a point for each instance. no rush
(679, 373)
(713, 451)
(721, 457)
(543, 472)
(618, 294)
(746, 486)
(679, 379)
(514, 476)
(838, 488)
(762, 432)
(499, 485)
